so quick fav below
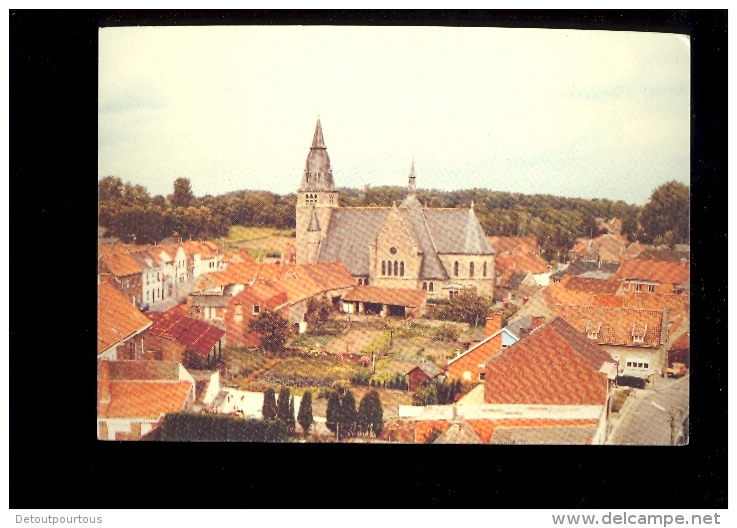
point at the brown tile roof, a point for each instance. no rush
(654, 271)
(552, 366)
(298, 285)
(616, 326)
(145, 399)
(117, 318)
(239, 257)
(392, 296)
(192, 333)
(206, 249)
(142, 370)
(509, 244)
(521, 262)
(682, 343)
(633, 250)
(269, 294)
(592, 286)
(121, 264)
(330, 275)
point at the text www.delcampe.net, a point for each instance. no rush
(650, 519)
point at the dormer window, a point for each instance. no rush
(638, 333)
(256, 309)
(592, 330)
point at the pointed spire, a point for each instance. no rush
(318, 141)
(412, 186)
(314, 224)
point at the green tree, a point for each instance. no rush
(269, 409)
(282, 405)
(333, 413)
(371, 414)
(290, 418)
(304, 415)
(272, 328)
(110, 188)
(183, 195)
(349, 415)
(666, 215)
(318, 311)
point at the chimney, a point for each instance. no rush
(104, 387)
(493, 323)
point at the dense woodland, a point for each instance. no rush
(130, 213)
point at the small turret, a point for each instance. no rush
(412, 185)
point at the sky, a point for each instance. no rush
(591, 114)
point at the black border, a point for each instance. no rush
(55, 461)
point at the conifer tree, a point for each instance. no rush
(371, 414)
(269, 409)
(304, 416)
(349, 415)
(290, 419)
(282, 405)
(333, 414)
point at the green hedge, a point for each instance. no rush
(191, 427)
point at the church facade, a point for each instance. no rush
(440, 251)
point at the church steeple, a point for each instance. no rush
(412, 185)
(318, 174)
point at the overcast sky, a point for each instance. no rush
(592, 114)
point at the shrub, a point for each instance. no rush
(192, 427)
(447, 333)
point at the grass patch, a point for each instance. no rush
(319, 367)
(245, 360)
(378, 344)
(240, 234)
(416, 331)
(309, 342)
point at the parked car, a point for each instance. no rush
(676, 370)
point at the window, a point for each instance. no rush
(393, 250)
(484, 270)
(396, 268)
(430, 286)
(471, 269)
(456, 268)
(453, 293)
(365, 281)
(311, 198)
(383, 267)
(158, 276)
(360, 282)
(424, 286)
(332, 198)
(638, 287)
(389, 268)
(256, 309)
(401, 269)
(651, 289)
(148, 295)
(482, 376)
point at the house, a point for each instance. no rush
(134, 396)
(173, 334)
(651, 276)
(331, 280)
(417, 373)
(125, 273)
(554, 365)
(249, 304)
(205, 257)
(469, 365)
(680, 351)
(663, 255)
(385, 301)
(633, 338)
(121, 327)
(510, 245)
(604, 248)
(613, 226)
(526, 262)
(409, 246)
(515, 286)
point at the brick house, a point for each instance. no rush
(652, 276)
(172, 334)
(249, 304)
(122, 271)
(121, 327)
(134, 396)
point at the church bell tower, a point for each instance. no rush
(316, 200)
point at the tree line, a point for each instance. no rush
(129, 211)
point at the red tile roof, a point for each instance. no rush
(392, 296)
(193, 333)
(555, 365)
(330, 275)
(521, 262)
(616, 326)
(117, 319)
(121, 264)
(144, 399)
(654, 271)
(592, 286)
(267, 293)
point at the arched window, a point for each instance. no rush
(432, 287)
(455, 268)
(424, 286)
(389, 268)
(484, 269)
(360, 282)
(383, 267)
(471, 268)
(401, 269)
(396, 268)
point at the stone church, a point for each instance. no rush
(440, 251)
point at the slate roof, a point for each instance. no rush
(192, 333)
(117, 319)
(459, 432)
(391, 296)
(580, 267)
(523, 326)
(318, 175)
(411, 213)
(555, 365)
(457, 231)
(654, 271)
(549, 435)
(617, 324)
(349, 234)
(517, 279)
